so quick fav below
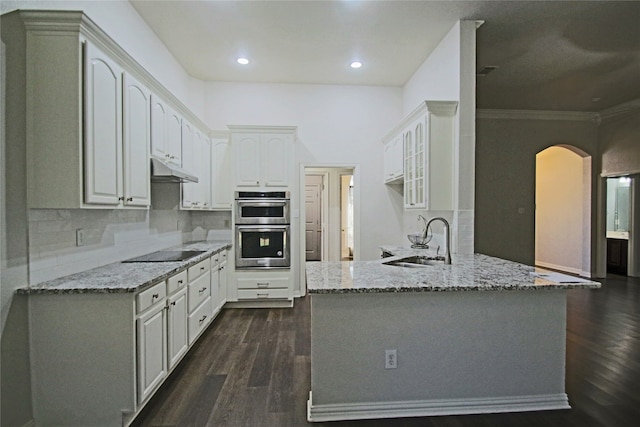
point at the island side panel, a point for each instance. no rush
(83, 358)
(504, 346)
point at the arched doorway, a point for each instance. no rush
(563, 210)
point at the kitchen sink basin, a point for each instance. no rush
(415, 261)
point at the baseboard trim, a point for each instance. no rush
(563, 268)
(30, 423)
(434, 407)
(274, 303)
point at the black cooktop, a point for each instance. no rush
(166, 256)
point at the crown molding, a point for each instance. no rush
(620, 110)
(537, 115)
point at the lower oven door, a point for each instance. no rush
(262, 246)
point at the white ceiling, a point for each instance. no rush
(551, 55)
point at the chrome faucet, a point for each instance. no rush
(447, 231)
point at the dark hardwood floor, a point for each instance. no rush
(252, 368)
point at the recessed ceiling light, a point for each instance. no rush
(242, 61)
(356, 64)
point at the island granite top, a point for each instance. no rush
(119, 277)
(466, 273)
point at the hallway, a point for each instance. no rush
(251, 368)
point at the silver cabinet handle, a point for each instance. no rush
(203, 317)
(262, 295)
(202, 290)
(263, 284)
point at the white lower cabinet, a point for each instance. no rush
(108, 353)
(264, 288)
(200, 306)
(177, 313)
(151, 349)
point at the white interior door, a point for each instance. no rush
(313, 225)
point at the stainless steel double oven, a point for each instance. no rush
(262, 227)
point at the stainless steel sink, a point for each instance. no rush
(416, 261)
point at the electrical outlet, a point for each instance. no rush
(80, 236)
(390, 359)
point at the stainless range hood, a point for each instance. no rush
(162, 171)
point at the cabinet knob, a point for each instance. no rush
(121, 198)
(203, 317)
(202, 290)
(173, 303)
(130, 199)
(154, 296)
(180, 282)
(168, 156)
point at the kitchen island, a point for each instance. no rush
(480, 335)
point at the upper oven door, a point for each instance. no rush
(251, 211)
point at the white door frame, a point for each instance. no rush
(302, 215)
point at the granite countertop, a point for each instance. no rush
(121, 277)
(466, 273)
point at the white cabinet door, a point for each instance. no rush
(159, 127)
(415, 151)
(277, 159)
(103, 129)
(247, 159)
(394, 160)
(174, 137)
(223, 281)
(263, 160)
(177, 337)
(215, 281)
(204, 173)
(137, 138)
(190, 164)
(152, 350)
(221, 193)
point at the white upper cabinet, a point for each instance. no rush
(394, 160)
(221, 192)
(103, 129)
(136, 141)
(263, 157)
(424, 140)
(166, 131)
(93, 116)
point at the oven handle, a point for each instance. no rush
(263, 227)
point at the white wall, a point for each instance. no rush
(438, 78)
(123, 23)
(449, 74)
(336, 125)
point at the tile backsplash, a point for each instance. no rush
(109, 236)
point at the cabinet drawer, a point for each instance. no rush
(199, 269)
(260, 294)
(264, 283)
(199, 319)
(146, 299)
(176, 282)
(199, 290)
